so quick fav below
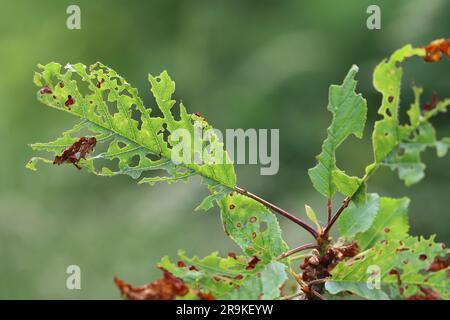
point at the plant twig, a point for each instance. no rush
(292, 296)
(330, 209)
(318, 295)
(344, 205)
(278, 210)
(317, 281)
(297, 249)
(300, 256)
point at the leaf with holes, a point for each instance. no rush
(349, 117)
(112, 112)
(404, 269)
(391, 222)
(252, 226)
(359, 217)
(234, 277)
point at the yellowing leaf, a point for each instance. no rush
(312, 215)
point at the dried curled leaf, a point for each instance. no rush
(77, 151)
(168, 287)
(436, 49)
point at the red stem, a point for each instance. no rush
(344, 205)
(278, 210)
(298, 249)
(330, 209)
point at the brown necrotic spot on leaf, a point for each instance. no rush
(168, 287)
(77, 151)
(396, 273)
(390, 99)
(205, 296)
(193, 268)
(427, 294)
(232, 206)
(45, 90)
(423, 257)
(439, 263)
(181, 264)
(99, 83)
(254, 235)
(387, 230)
(61, 84)
(239, 277)
(252, 263)
(253, 219)
(70, 101)
(428, 106)
(232, 255)
(238, 225)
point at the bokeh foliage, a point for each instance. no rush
(252, 65)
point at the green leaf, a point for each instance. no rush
(414, 112)
(312, 215)
(345, 184)
(111, 110)
(359, 218)
(403, 266)
(406, 157)
(229, 278)
(349, 116)
(400, 146)
(211, 274)
(442, 147)
(262, 286)
(360, 289)
(252, 226)
(387, 80)
(391, 222)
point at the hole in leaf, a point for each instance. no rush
(262, 226)
(134, 161)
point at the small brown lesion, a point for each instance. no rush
(429, 106)
(69, 102)
(45, 90)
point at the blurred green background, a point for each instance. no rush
(241, 64)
